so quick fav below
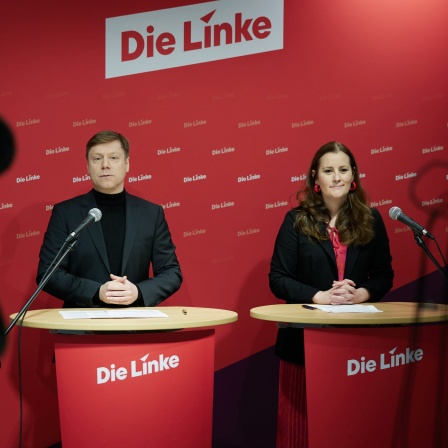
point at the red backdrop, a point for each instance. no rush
(370, 74)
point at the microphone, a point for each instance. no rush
(7, 146)
(396, 213)
(94, 215)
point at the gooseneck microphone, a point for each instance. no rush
(93, 216)
(396, 213)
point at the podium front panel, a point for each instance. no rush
(139, 390)
(377, 387)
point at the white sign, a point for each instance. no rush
(194, 34)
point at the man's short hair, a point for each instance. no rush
(107, 137)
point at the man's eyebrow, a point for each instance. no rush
(115, 153)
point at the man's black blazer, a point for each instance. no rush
(147, 244)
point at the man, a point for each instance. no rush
(111, 260)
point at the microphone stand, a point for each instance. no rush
(422, 244)
(42, 283)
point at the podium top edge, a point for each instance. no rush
(179, 317)
(393, 313)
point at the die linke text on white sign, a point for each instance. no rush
(194, 34)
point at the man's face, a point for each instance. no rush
(107, 166)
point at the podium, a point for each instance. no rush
(373, 379)
(135, 381)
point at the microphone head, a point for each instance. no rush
(395, 212)
(96, 213)
(7, 146)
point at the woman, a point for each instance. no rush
(332, 249)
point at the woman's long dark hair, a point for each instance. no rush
(354, 222)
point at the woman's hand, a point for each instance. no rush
(342, 293)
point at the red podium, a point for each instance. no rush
(135, 381)
(373, 380)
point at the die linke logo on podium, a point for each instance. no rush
(389, 360)
(136, 369)
(194, 34)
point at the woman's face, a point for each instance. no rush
(334, 176)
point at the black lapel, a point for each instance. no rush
(327, 246)
(352, 256)
(133, 214)
(94, 229)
